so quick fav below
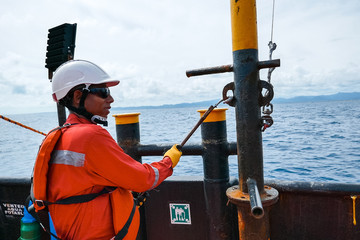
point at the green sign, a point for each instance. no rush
(180, 213)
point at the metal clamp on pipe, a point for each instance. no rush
(255, 200)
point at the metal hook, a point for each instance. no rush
(264, 100)
(230, 100)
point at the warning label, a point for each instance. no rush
(12, 209)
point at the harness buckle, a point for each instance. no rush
(141, 198)
(39, 205)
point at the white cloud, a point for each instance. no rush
(149, 45)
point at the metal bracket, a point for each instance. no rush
(230, 100)
(265, 100)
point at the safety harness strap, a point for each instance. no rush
(122, 233)
(42, 217)
(75, 199)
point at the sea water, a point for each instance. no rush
(317, 141)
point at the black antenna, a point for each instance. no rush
(60, 49)
(61, 46)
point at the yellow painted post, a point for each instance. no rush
(216, 174)
(243, 24)
(128, 138)
(252, 198)
(128, 132)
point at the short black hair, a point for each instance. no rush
(68, 99)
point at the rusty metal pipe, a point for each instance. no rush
(269, 64)
(253, 219)
(211, 70)
(255, 200)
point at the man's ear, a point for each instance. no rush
(76, 98)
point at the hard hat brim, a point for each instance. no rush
(111, 82)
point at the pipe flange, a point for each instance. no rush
(269, 197)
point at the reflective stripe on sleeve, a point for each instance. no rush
(156, 176)
(68, 158)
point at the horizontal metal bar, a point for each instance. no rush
(314, 187)
(189, 149)
(211, 70)
(10, 181)
(269, 64)
(281, 186)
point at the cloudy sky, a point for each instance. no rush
(149, 45)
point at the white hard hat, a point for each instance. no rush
(75, 72)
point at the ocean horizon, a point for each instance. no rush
(340, 96)
(315, 141)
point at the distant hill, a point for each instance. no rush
(179, 105)
(322, 98)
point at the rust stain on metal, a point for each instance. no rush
(354, 209)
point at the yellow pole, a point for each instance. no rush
(243, 24)
(252, 199)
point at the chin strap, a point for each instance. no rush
(100, 120)
(82, 111)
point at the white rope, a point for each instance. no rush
(272, 21)
(272, 46)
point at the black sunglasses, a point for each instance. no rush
(100, 92)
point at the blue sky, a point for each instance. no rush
(149, 45)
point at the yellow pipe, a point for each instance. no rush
(216, 115)
(243, 24)
(126, 118)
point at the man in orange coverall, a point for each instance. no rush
(86, 159)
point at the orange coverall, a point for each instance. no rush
(85, 160)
